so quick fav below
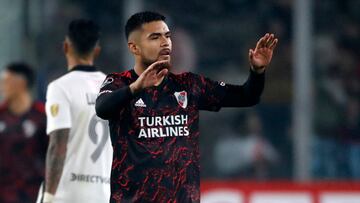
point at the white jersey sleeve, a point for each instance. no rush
(57, 106)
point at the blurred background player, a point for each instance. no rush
(23, 139)
(79, 154)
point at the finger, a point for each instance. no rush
(162, 73)
(161, 65)
(266, 38)
(266, 35)
(156, 66)
(251, 54)
(269, 40)
(262, 41)
(274, 43)
(149, 69)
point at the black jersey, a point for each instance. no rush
(155, 133)
(23, 144)
(156, 138)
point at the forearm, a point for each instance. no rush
(108, 104)
(55, 159)
(247, 94)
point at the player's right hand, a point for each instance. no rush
(152, 76)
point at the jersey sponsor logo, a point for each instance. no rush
(107, 81)
(163, 126)
(181, 98)
(54, 109)
(89, 178)
(140, 103)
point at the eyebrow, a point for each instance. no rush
(159, 33)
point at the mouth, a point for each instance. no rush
(165, 52)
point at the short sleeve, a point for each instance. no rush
(211, 93)
(57, 107)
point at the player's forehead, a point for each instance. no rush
(5, 74)
(9, 75)
(154, 27)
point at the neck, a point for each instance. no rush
(72, 62)
(139, 68)
(21, 103)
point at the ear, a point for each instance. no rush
(97, 51)
(134, 49)
(66, 47)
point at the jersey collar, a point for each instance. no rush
(133, 74)
(86, 68)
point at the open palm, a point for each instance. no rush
(261, 56)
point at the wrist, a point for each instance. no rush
(134, 88)
(258, 69)
(48, 197)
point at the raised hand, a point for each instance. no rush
(261, 56)
(152, 76)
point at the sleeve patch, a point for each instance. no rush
(107, 81)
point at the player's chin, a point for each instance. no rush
(165, 58)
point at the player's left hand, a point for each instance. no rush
(261, 56)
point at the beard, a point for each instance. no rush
(147, 62)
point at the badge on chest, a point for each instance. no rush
(181, 98)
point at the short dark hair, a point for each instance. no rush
(24, 70)
(138, 19)
(84, 34)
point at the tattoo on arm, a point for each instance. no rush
(55, 158)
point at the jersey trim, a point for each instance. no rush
(85, 68)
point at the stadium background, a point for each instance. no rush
(306, 129)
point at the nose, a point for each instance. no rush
(165, 41)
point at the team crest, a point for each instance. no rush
(54, 110)
(29, 128)
(181, 98)
(2, 126)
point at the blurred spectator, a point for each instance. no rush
(246, 154)
(331, 96)
(350, 128)
(351, 131)
(23, 140)
(336, 144)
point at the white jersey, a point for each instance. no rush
(70, 103)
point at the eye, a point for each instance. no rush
(154, 37)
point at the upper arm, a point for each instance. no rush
(57, 107)
(112, 92)
(112, 82)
